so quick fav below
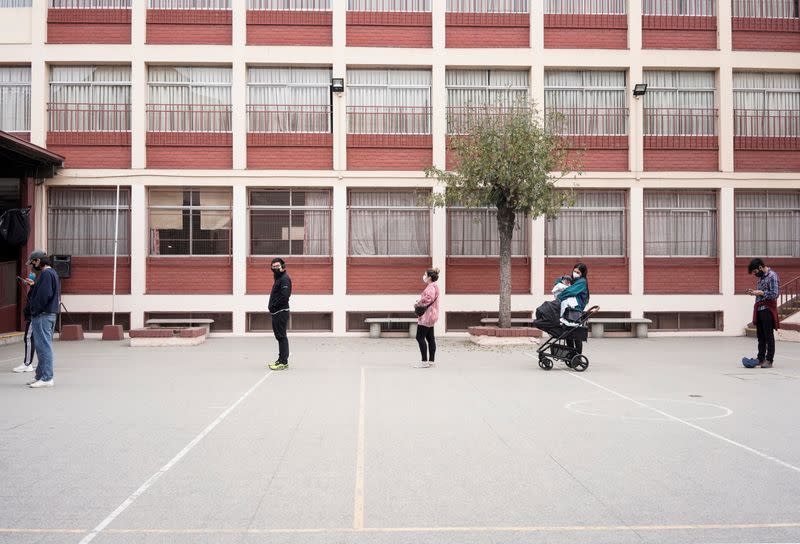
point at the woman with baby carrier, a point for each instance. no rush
(579, 290)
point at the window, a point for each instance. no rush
(289, 100)
(223, 321)
(15, 98)
(703, 8)
(289, 5)
(389, 5)
(355, 321)
(290, 222)
(80, 221)
(473, 92)
(679, 103)
(15, 3)
(298, 322)
(190, 221)
(94, 321)
(584, 7)
(90, 4)
(389, 223)
(473, 232)
(768, 224)
(591, 102)
(487, 6)
(766, 9)
(680, 224)
(389, 101)
(189, 99)
(90, 98)
(685, 321)
(766, 104)
(189, 4)
(594, 226)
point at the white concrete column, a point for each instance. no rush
(636, 242)
(725, 124)
(239, 23)
(635, 26)
(439, 254)
(724, 25)
(636, 120)
(38, 23)
(537, 85)
(139, 252)
(39, 99)
(339, 248)
(537, 29)
(339, 100)
(239, 113)
(439, 24)
(239, 252)
(138, 23)
(536, 246)
(439, 114)
(726, 212)
(138, 114)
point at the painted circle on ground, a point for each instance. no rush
(687, 410)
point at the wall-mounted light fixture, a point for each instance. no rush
(337, 85)
(639, 89)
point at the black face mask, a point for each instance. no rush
(277, 273)
(760, 274)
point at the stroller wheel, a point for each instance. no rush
(579, 363)
(545, 363)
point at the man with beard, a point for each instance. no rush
(279, 309)
(44, 303)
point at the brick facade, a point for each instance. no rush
(389, 152)
(586, 31)
(310, 275)
(189, 150)
(607, 275)
(386, 275)
(88, 26)
(175, 26)
(290, 151)
(289, 28)
(481, 275)
(788, 268)
(389, 29)
(677, 153)
(185, 275)
(95, 275)
(470, 30)
(766, 34)
(678, 275)
(679, 32)
(766, 154)
(92, 149)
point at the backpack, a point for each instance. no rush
(14, 226)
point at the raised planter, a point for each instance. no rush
(71, 332)
(496, 336)
(113, 332)
(158, 337)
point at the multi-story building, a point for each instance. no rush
(223, 125)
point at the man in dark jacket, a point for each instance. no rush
(279, 309)
(44, 303)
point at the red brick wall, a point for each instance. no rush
(95, 275)
(678, 32)
(92, 149)
(88, 26)
(183, 274)
(388, 29)
(766, 34)
(311, 275)
(601, 160)
(386, 275)
(190, 150)
(289, 28)
(787, 269)
(487, 30)
(681, 275)
(751, 160)
(607, 275)
(290, 151)
(388, 152)
(481, 275)
(173, 26)
(22, 135)
(586, 31)
(691, 160)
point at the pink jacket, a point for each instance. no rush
(431, 315)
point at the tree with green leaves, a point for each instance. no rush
(507, 158)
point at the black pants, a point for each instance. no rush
(279, 323)
(766, 335)
(30, 349)
(575, 344)
(425, 334)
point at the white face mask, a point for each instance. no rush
(424, 278)
(576, 275)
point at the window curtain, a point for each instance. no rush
(487, 6)
(189, 4)
(289, 99)
(594, 226)
(90, 4)
(15, 98)
(81, 221)
(189, 99)
(592, 102)
(473, 232)
(765, 9)
(584, 7)
(389, 101)
(15, 3)
(389, 5)
(768, 224)
(219, 218)
(90, 98)
(766, 104)
(470, 91)
(378, 227)
(679, 224)
(316, 238)
(698, 8)
(289, 5)
(679, 103)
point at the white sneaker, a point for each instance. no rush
(420, 364)
(23, 368)
(40, 383)
(32, 381)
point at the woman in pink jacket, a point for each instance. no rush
(425, 322)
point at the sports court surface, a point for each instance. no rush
(662, 440)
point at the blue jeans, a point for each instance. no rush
(42, 327)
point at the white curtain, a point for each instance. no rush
(90, 98)
(291, 5)
(487, 6)
(15, 3)
(765, 9)
(585, 7)
(768, 224)
(679, 103)
(592, 102)
(90, 4)
(389, 101)
(15, 98)
(389, 223)
(317, 222)
(680, 223)
(80, 221)
(698, 8)
(389, 5)
(470, 91)
(189, 99)
(189, 4)
(766, 104)
(474, 232)
(289, 99)
(594, 226)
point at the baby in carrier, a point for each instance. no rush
(569, 313)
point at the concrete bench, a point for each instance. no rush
(375, 325)
(161, 336)
(181, 322)
(514, 321)
(598, 325)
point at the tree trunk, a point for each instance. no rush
(505, 228)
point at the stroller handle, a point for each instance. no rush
(593, 310)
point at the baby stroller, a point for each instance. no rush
(556, 347)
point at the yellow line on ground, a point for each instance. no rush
(358, 501)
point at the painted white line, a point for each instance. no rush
(163, 470)
(577, 407)
(689, 424)
(358, 500)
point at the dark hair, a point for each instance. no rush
(278, 260)
(754, 265)
(584, 274)
(432, 273)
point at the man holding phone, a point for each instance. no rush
(44, 303)
(765, 310)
